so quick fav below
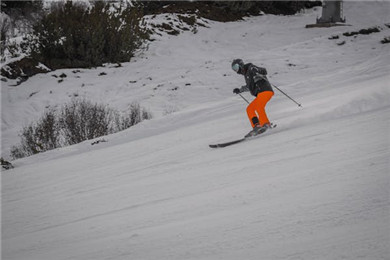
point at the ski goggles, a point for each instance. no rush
(236, 67)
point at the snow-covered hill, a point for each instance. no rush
(316, 187)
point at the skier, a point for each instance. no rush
(259, 86)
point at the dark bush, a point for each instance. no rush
(26, 7)
(73, 35)
(224, 11)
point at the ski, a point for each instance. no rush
(227, 144)
(221, 145)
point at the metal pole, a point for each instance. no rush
(287, 95)
(243, 98)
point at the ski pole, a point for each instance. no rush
(243, 98)
(287, 95)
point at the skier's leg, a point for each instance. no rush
(251, 111)
(260, 103)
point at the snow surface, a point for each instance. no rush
(316, 187)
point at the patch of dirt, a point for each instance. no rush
(23, 68)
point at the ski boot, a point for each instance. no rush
(257, 129)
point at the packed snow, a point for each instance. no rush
(315, 187)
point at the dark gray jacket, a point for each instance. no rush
(256, 80)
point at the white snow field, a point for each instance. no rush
(316, 187)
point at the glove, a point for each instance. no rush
(236, 91)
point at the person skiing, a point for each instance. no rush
(258, 85)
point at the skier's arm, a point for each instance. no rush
(244, 88)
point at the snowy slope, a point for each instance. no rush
(316, 187)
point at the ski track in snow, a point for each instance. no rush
(315, 187)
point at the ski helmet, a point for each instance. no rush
(238, 65)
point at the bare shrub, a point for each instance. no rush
(77, 121)
(83, 120)
(38, 137)
(146, 115)
(134, 115)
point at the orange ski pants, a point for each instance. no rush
(256, 109)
